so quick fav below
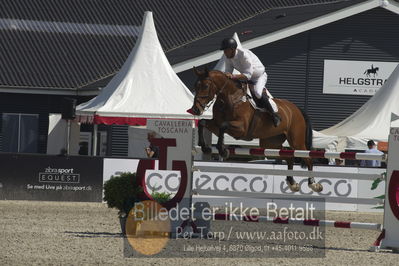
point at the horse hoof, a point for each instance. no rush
(316, 187)
(293, 187)
(224, 153)
(206, 149)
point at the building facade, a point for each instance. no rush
(295, 65)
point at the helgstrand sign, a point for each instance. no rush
(355, 77)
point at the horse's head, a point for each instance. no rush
(205, 89)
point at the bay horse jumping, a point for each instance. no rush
(234, 115)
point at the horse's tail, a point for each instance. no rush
(308, 135)
(309, 131)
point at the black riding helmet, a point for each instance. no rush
(228, 43)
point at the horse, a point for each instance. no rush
(234, 115)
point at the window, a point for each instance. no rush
(86, 141)
(20, 132)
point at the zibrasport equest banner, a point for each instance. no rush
(52, 178)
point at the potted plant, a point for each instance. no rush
(122, 192)
(374, 186)
(161, 197)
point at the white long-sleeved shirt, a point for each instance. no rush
(371, 163)
(246, 62)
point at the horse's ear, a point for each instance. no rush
(206, 71)
(201, 73)
(196, 71)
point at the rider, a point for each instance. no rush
(251, 68)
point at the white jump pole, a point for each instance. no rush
(302, 154)
(308, 222)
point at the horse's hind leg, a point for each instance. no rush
(294, 186)
(277, 143)
(316, 187)
(296, 144)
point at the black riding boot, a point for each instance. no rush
(266, 104)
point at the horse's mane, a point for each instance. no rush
(237, 83)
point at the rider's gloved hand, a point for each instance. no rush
(229, 75)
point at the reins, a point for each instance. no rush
(205, 107)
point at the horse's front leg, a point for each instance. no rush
(220, 145)
(235, 129)
(210, 124)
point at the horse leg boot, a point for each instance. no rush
(294, 186)
(266, 104)
(316, 187)
(201, 141)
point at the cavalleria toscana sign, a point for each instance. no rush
(355, 77)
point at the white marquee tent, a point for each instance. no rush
(145, 87)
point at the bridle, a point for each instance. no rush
(206, 106)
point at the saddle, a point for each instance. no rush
(255, 102)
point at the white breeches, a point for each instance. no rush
(260, 83)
